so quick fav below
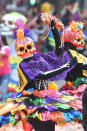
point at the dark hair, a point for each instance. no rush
(4, 40)
(69, 45)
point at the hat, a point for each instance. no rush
(75, 35)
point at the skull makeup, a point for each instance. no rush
(25, 47)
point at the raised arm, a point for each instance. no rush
(56, 35)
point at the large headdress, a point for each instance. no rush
(24, 44)
(74, 34)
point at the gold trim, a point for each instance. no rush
(22, 79)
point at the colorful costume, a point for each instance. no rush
(36, 104)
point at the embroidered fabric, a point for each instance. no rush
(43, 62)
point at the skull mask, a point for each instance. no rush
(25, 47)
(7, 25)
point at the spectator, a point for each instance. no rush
(36, 31)
(5, 68)
(66, 13)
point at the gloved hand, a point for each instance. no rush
(72, 62)
(52, 23)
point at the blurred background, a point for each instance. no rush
(31, 8)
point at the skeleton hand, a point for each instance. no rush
(70, 63)
(84, 63)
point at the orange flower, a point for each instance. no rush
(20, 34)
(74, 26)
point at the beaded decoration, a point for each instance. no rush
(74, 34)
(24, 45)
(76, 26)
(20, 34)
(46, 19)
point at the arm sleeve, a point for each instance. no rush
(54, 72)
(56, 35)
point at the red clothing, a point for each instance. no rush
(4, 61)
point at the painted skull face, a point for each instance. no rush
(7, 27)
(25, 47)
(76, 38)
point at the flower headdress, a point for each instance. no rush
(74, 34)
